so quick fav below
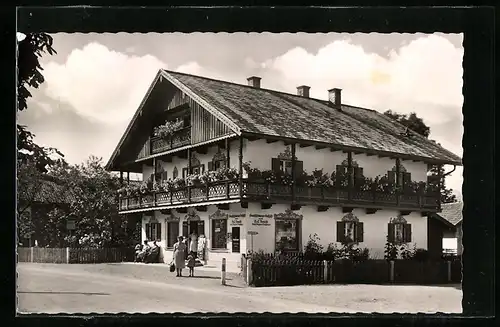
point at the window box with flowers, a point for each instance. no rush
(168, 129)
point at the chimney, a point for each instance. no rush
(254, 81)
(334, 97)
(303, 91)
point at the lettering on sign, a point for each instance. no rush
(235, 219)
(260, 219)
(260, 222)
(236, 222)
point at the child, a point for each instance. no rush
(190, 264)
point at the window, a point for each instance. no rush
(399, 232)
(175, 173)
(286, 166)
(287, 232)
(219, 233)
(219, 164)
(172, 233)
(350, 232)
(153, 231)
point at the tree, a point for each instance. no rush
(29, 70)
(29, 50)
(411, 121)
(416, 124)
(93, 204)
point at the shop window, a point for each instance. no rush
(219, 233)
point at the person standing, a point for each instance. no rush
(179, 255)
(193, 245)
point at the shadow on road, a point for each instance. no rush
(206, 277)
(70, 293)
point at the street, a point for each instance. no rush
(136, 288)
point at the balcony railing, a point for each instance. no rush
(262, 192)
(318, 195)
(180, 138)
(186, 195)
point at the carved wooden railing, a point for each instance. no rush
(259, 191)
(180, 138)
(319, 195)
(214, 191)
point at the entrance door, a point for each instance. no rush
(235, 235)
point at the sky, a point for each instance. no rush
(95, 82)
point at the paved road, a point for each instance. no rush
(141, 289)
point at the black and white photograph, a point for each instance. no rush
(239, 172)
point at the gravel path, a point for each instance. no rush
(114, 288)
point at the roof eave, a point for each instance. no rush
(350, 148)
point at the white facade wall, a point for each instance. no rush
(259, 153)
(323, 224)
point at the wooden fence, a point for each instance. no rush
(74, 255)
(303, 272)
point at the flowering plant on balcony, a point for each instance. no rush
(168, 129)
(384, 185)
(209, 177)
(253, 174)
(364, 184)
(174, 184)
(227, 174)
(194, 180)
(414, 187)
(146, 188)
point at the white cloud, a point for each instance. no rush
(424, 73)
(100, 83)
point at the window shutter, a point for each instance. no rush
(407, 233)
(392, 176)
(359, 232)
(358, 172)
(299, 167)
(275, 164)
(148, 231)
(210, 166)
(164, 176)
(202, 168)
(201, 228)
(185, 231)
(340, 231)
(158, 232)
(390, 232)
(184, 172)
(151, 177)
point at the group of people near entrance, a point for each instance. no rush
(185, 253)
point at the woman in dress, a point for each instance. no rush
(179, 255)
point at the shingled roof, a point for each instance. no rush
(268, 112)
(452, 212)
(265, 112)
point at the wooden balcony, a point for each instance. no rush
(262, 192)
(181, 138)
(217, 191)
(322, 196)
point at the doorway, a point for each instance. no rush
(235, 239)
